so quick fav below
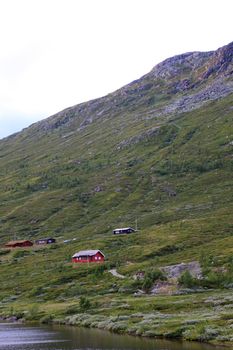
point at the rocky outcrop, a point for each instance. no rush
(220, 63)
(138, 138)
(196, 99)
(200, 65)
(175, 271)
(175, 66)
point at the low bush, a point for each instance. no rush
(47, 319)
(33, 313)
(84, 303)
(217, 279)
(187, 280)
(151, 277)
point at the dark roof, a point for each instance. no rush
(45, 239)
(87, 253)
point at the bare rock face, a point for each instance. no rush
(175, 271)
(177, 65)
(209, 63)
(221, 62)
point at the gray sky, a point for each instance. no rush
(57, 53)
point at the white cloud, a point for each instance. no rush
(56, 53)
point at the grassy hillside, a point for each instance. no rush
(106, 164)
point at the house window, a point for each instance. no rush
(95, 257)
(99, 258)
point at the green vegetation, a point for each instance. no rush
(84, 304)
(187, 280)
(75, 178)
(151, 277)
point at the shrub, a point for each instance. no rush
(151, 277)
(206, 262)
(84, 303)
(187, 280)
(176, 333)
(33, 312)
(47, 319)
(147, 284)
(156, 275)
(217, 280)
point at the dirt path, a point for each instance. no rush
(115, 273)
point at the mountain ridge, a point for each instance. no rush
(217, 61)
(221, 60)
(204, 64)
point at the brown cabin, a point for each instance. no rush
(21, 243)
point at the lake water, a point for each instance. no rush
(21, 337)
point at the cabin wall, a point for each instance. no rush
(27, 244)
(98, 257)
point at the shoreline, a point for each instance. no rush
(75, 321)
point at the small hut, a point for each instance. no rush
(20, 243)
(88, 256)
(45, 241)
(119, 231)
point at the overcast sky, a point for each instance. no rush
(57, 53)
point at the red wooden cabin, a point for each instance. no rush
(21, 243)
(88, 256)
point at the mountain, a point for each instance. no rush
(154, 130)
(157, 152)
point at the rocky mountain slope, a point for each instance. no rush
(150, 110)
(178, 84)
(158, 151)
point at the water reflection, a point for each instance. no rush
(21, 337)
